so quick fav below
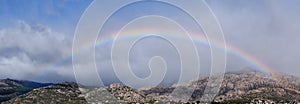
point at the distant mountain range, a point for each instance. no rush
(247, 86)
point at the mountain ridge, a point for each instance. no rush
(246, 86)
(10, 88)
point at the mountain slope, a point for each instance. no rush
(248, 86)
(65, 93)
(115, 93)
(242, 87)
(10, 88)
(69, 93)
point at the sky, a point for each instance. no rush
(36, 38)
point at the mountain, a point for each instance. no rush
(241, 87)
(10, 88)
(65, 93)
(69, 93)
(247, 86)
(114, 93)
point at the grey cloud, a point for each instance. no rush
(268, 30)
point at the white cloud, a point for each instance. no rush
(28, 49)
(17, 66)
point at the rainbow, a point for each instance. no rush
(201, 39)
(198, 39)
(232, 50)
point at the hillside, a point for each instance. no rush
(65, 93)
(247, 86)
(243, 87)
(10, 88)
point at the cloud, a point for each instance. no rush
(27, 50)
(268, 30)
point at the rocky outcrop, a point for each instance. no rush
(241, 87)
(114, 93)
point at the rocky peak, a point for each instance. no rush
(248, 70)
(71, 85)
(126, 93)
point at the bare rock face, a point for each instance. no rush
(126, 93)
(114, 93)
(253, 84)
(261, 101)
(241, 87)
